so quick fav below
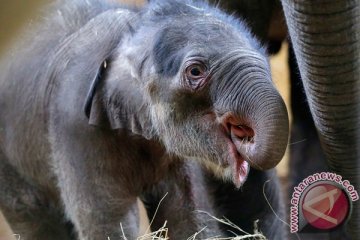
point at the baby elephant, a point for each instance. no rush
(102, 104)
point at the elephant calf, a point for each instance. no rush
(101, 104)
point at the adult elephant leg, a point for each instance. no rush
(325, 36)
(306, 154)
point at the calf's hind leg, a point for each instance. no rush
(28, 212)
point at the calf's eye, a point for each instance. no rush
(196, 74)
(195, 71)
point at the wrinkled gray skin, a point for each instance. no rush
(70, 174)
(325, 39)
(327, 49)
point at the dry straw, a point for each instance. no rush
(162, 233)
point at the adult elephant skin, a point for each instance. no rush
(102, 104)
(326, 41)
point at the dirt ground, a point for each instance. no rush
(5, 232)
(280, 76)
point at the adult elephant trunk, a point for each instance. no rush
(325, 36)
(251, 110)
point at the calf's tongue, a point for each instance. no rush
(241, 170)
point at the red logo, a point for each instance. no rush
(325, 206)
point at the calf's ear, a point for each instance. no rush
(119, 109)
(104, 33)
(93, 113)
(98, 109)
